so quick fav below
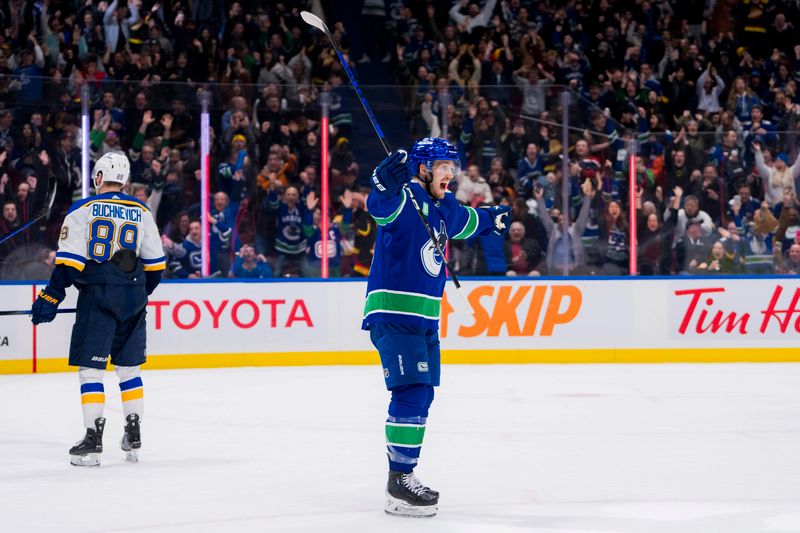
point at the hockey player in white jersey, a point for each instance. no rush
(110, 249)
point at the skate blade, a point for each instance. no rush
(395, 507)
(90, 459)
(131, 454)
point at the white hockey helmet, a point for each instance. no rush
(113, 168)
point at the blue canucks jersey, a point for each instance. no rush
(290, 239)
(407, 277)
(314, 251)
(190, 260)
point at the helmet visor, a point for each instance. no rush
(441, 167)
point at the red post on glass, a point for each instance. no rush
(324, 196)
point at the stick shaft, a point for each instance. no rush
(43, 213)
(388, 150)
(28, 311)
(16, 231)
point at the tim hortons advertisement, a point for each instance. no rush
(621, 314)
(535, 320)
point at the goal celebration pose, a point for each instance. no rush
(109, 248)
(404, 293)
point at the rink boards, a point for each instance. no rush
(221, 323)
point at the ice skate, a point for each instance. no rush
(406, 496)
(416, 480)
(86, 452)
(132, 438)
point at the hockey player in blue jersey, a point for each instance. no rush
(404, 294)
(109, 248)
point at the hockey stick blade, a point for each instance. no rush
(28, 312)
(316, 22)
(312, 20)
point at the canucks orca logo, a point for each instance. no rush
(431, 259)
(196, 259)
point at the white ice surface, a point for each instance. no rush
(609, 448)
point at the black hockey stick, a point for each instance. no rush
(315, 21)
(28, 312)
(43, 212)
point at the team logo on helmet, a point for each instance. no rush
(431, 259)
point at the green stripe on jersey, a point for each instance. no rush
(470, 226)
(383, 301)
(291, 249)
(382, 221)
(404, 434)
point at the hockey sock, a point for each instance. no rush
(405, 427)
(130, 386)
(93, 396)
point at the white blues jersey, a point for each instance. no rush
(97, 227)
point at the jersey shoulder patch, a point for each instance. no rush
(128, 198)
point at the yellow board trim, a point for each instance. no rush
(134, 394)
(70, 262)
(370, 357)
(16, 366)
(95, 397)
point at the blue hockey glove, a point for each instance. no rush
(46, 305)
(500, 218)
(392, 173)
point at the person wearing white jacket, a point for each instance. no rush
(689, 212)
(777, 177)
(476, 18)
(709, 87)
(473, 187)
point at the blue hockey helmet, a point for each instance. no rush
(429, 149)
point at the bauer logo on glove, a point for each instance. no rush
(46, 305)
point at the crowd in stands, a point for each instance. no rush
(702, 95)
(704, 101)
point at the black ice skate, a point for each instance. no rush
(406, 496)
(87, 452)
(132, 438)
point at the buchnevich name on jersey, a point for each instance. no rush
(122, 212)
(96, 227)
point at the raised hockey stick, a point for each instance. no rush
(315, 21)
(43, 212)
(28, 311)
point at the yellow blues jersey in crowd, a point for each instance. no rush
(95, 228)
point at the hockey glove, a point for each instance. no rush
(46, 305)
(500, 218)
(392, 173)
